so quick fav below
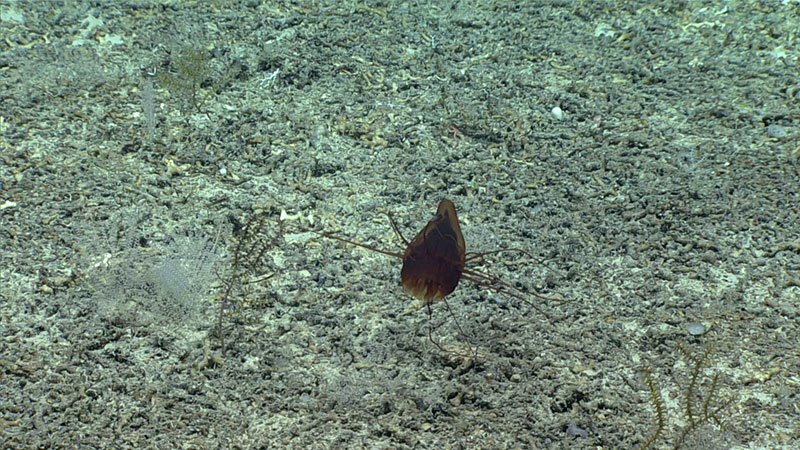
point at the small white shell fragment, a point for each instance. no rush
(557, 113)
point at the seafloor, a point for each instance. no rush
(644, 154)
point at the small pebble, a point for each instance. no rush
(557, 113)
(776, 131)
(696, 328)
